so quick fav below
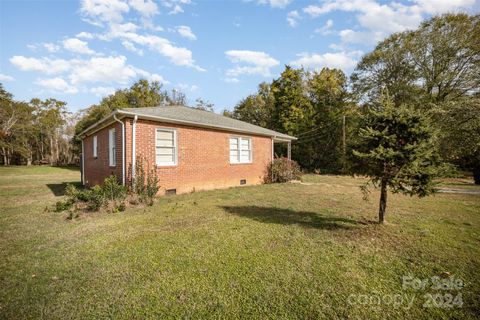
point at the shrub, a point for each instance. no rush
(112, 190)
(95, 198)
(71, 194)
(282, 170)
(63, 205)
(112, 194)
(146, 184)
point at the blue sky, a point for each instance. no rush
(79, 51)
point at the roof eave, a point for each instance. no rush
(103, 123)
(85, 132)
(196, 124)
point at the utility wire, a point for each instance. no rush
(327, 127)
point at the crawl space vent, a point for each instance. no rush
(170, 192)
(243, 181)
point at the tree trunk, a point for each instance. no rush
(383, 202)
(57, 152)
(5, 163)
(51, 151)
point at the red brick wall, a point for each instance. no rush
(203, 157)
(97, 169)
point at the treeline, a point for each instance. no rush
(434, 69)
(307, 105)
(35, 132)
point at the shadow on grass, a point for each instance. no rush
(58, 189)
(72, 168)
(287, 217)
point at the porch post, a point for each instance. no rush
(289, 150)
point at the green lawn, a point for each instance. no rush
(271, 251)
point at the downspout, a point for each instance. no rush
(123, 147)
(134, 159)
(83, 164)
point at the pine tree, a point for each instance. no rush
(397, 152)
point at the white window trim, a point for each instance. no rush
(95, 147)
(175, 147)
(240, 150)
(112, 157)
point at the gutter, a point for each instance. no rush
(123, 147)
(134, 156)
(83, 164)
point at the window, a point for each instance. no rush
(240, 150)
(111, 147)
(94, 146)
(166, 147)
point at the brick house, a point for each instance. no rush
(192, 149)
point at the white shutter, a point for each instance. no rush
(94, 146)
(111, 147)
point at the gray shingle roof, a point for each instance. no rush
(196, 117)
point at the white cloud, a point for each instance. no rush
(292, 18)
(177, 55)
(44, 65)
(175, 6)
(275, 3)
(102, 91)
(112, 69)
(51, 47)
(103, 69)
(341, 60)
(77, 46)
(109, 14)
(186, 87)
(156, 77)
(326, 29)
(85, 35)
(131, 47)
(117, 30)
(57, 85)
(147, 8)
(5, 77)
(103, 10)
(254, 62)
(186, 32)
(128, 32)
(232, 80)
(360, 37)
(387, 18)
(441, 6)
(176, 9)
(382, 19)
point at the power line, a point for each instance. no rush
(327, 127)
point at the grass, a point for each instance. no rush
(270, 251)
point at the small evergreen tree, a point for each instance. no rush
(396, 151)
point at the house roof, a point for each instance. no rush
(194, 117)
